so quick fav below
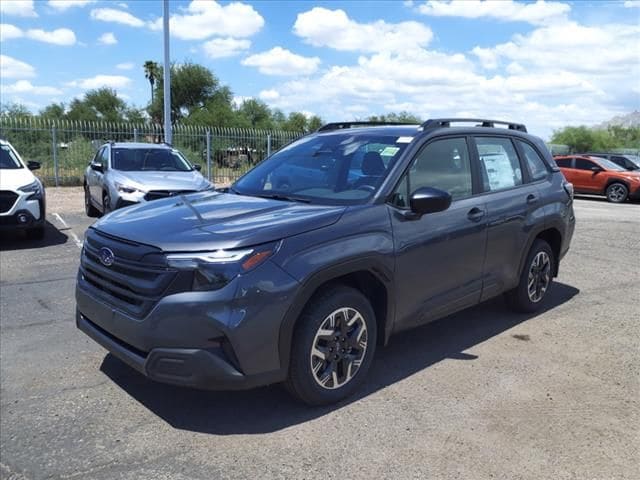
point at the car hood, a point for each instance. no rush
(147, 181)
(14, 178)
(211, 220)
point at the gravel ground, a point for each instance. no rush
(482, 394)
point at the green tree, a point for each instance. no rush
(15, 110)
(151, 73)
(54, 110)
(256, 114)
(314, 123)
(400, 117)
(192, 88)
(296, 122)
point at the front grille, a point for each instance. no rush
(137, 279)
(7, 199)
(157, 194)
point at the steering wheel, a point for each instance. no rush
(367, 188)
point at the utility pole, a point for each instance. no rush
(168, 134)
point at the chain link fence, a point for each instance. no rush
(65, 148)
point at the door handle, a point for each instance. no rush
(531, 199)
(475, 214)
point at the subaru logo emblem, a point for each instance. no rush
(106, 256)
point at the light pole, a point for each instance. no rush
(168, 135)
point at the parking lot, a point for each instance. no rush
(482, 394)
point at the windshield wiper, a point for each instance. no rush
(286, 198)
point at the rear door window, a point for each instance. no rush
(500, 166)
(535, 164)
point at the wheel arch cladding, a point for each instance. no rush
(554, 238)
(371, 282)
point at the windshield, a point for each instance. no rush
(609, 165)
(8, 158)
(149, 159)
(340, 168)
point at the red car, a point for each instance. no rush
(600, 176)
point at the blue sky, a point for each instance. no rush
(548, 64)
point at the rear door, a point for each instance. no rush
(92, 176)
(513, 208)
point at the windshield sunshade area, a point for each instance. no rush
(8, 159)
(149, 159)
(609, 165)
(334, 169)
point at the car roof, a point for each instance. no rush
(400, 130)
(137, 145)
(414, 130)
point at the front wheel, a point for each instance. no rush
(535, 279)
(106, 203)
(333, 346)
(617, 193)
(89, 209)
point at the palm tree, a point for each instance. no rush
(151, 72)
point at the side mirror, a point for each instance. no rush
(429, 200)
(31, 165)
(197, 167)
(596, 169)
(97, 167)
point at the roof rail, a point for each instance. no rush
(341, 125)
(446, 122)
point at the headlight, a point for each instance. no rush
(122, 188)
(34, 188)
(213, 270)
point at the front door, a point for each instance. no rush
(439, 256)
(585, 178)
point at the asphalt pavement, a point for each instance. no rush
(482, 394)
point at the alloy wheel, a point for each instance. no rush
(539, 276)
(617, 193)
(338, 348)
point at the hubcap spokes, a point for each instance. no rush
(539, 277)
(338, 348)
(617, 192)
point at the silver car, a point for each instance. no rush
(123, 174)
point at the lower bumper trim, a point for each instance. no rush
(197, 368)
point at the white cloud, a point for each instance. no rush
(8, 32)
(18, 8)
(322, 27)
(123, 5)
(13, 68)
(204, 19)
(269, 95)
(538, 13)
(60, 36)
(107, 39)
(225, 47)
(64, 5)
(125, 66)
(280, 61)
(25, 86)
(99, 81)
(116, 16)
(632, 4)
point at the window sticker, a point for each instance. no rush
(389, 151)
(404, 139)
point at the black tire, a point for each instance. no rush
(89, 209)
(617, 192)
(36, 233)
(303, 382)
(106, 203)
(520, 298)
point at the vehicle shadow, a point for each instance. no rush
(18, 240)
(271, 408)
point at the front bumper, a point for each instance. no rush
(24, 213)
(220, 340)
(634, 194)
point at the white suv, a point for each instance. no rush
(22, 197)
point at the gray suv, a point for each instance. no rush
(299, 270)
(123, 174)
